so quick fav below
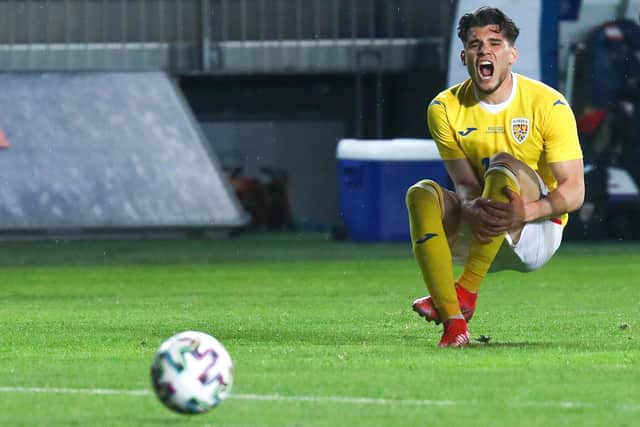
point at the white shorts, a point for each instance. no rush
(538, 242)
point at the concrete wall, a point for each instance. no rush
(105, 151)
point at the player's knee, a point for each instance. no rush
(502, 157)
(498, 176)
(425, 189)
(504, 161)
(501, 168)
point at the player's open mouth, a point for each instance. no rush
(485, 70)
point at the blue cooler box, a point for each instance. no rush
(374, 175)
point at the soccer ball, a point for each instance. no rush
(191, 373)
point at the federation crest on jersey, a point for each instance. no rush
(520, 129)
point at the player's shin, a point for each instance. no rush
(481, 255)
(425, 203)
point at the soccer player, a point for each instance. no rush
(510, 146)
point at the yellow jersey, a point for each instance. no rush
(536, 125)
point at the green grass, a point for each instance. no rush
(312, 320)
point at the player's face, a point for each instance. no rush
(488, 56)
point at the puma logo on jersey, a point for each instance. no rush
(466, 131)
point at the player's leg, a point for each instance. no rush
(504, 171)
(432, 210)
(433, 214)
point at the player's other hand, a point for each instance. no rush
(516, 209)
(489, 218)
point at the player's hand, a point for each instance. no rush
(487, 218)
(516, 209)
(498, 218)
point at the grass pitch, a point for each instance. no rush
(321, 334)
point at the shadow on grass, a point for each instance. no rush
(254, 247)
(170, 420)
(475, 345)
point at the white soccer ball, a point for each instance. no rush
(192, 373)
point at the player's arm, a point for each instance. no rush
(564, 157)
(567, 197)
(467, 184)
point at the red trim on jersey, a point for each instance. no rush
(556, 220)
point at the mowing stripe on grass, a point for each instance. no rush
(340, 399)
(87, 391)
(329, 399)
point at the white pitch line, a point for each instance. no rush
(331, 399)
(86, 391)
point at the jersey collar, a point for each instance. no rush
(496, 108)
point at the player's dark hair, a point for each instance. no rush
(484, 16)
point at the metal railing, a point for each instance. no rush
(325, 19)
(211, 35)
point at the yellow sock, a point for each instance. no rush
(470, 280)
(481, 255)
(425, 203)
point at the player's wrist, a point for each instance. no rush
(537, 210)
(467, 207)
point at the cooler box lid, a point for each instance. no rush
(398, 149)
